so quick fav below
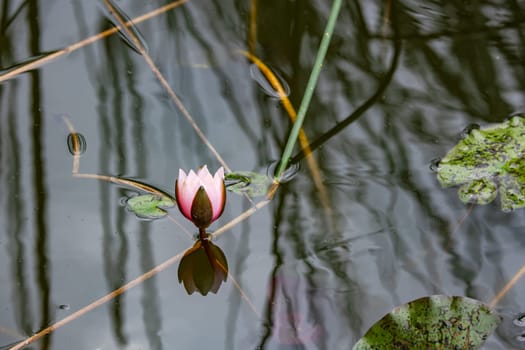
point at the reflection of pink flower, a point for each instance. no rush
(203, 268)
(201, 196)
(294, 329)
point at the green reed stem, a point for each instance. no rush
(310, 87)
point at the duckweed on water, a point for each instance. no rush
(485, 160)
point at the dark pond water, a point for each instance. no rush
(315, 281)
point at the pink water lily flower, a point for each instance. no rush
(201, 196)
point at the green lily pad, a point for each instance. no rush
(434, 322)
(488, 159)
(149, 206)
(246, 182)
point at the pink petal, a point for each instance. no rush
(214, 187)
(188, 185)
(182, 175)
(204, 173)
(217, 194)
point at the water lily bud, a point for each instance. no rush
(201, 196)
(201, 210)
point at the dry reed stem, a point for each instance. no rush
(188, 233)
(143, 277)
(167, 87)
(124, 27)
(133, 184)
(108, 297)
(48, 58)
(507, 287)
(138, 280)
(240, 218)
(116, 180)
(99, 302)
(241, 291)
(517, 276)
(121, 181)
(303, 139)
(137, 185)
(76, 165)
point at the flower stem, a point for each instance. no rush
(202, 234)
(312, 82)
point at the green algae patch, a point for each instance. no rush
(487, 161)
(433, 322)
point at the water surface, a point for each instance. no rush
(401, 80)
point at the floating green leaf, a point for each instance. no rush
(434, 322)
(149, 206)
(487, 159)
(253, 184)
